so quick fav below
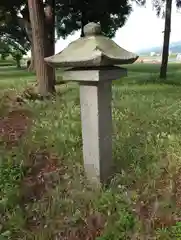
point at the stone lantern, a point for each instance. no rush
(91, 61)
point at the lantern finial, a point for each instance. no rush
(92, 29)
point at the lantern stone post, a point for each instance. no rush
(91, 61)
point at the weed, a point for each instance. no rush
(142, 200)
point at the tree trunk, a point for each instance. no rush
(165, 52)
(50, 26)
(36, 11)
(82, 28)
(31, 67)
(83, 23)
(25, 24)
(18, 63)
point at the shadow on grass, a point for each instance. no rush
(13, 72)
(7, 63)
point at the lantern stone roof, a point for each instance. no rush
(93, 50)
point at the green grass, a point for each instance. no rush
(147, 158)
(9, 62)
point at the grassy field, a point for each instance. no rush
(43, 191)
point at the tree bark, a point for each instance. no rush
(31, 67)
(50, 26)
(165, 52)
(25, 24)
(37, 20)
(83, 23)
(28, 30)
(18, 63)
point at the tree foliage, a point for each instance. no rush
(13, 30)
(13, 38)
(75, 14)
(9, 47)
(72, 15)
(159, 6)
